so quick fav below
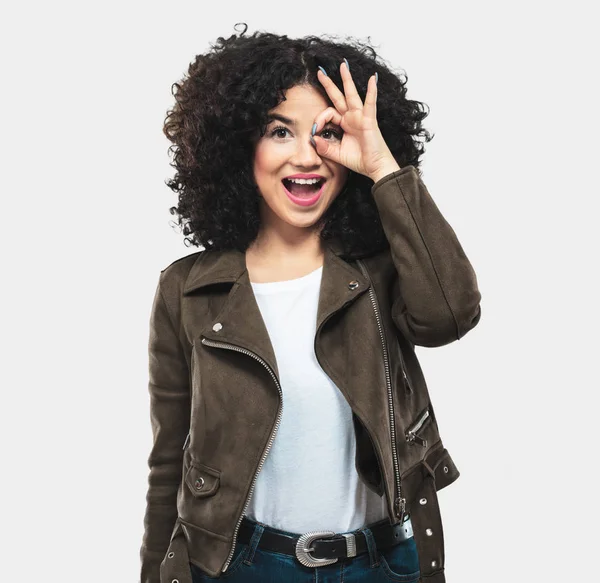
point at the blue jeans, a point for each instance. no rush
(253, 565)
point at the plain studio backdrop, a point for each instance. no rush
(513, 95)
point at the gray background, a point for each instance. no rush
(513, 96)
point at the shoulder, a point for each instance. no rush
(174, 275)
(181, 265)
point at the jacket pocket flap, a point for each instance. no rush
(202, 480)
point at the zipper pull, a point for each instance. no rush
(400, 504)
(412, 437)
(187, 440)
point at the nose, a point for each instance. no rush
(306, 155)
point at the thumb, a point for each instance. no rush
(327, 149)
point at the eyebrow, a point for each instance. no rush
(276, 116)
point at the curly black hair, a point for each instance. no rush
(221, 109)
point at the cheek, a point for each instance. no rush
(260, 160)
(266, 158)
(341, 177)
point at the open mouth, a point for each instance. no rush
(303, 190)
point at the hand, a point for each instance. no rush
(362, 148)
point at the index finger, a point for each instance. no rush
(336, 96)
(352, 97)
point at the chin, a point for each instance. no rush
(309, 220)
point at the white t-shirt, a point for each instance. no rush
(308, 480)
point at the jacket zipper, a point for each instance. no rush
(269, 444)
(400, 501)
(358, 416)
(411, 432)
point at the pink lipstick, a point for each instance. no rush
(304, 200)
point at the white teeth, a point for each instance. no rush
(304, 180)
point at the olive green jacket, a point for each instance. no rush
(216, 398)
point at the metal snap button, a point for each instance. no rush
(217, 326)
(171, 555)
(199, 483)
(423, 501)
(428, 532)
(353, 284)
(433, 563)
(445, 469)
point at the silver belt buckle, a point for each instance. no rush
(303, 548)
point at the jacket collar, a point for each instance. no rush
(240, 319)
(228, 265)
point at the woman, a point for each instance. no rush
(294, 437)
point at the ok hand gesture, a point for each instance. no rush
(362, 148)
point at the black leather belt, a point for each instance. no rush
(319, 548)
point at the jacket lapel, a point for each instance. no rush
(341, 284)
(240, 319)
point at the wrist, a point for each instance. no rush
(387, 168)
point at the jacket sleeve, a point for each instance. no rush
(436, 299)
(169, 416)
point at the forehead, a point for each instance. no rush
(301, 100)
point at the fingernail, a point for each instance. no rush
(314, 129)
(323, 71)
(312, 141)
(376, 78)
(347, 65)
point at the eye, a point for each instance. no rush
(276, 129)
(274, 132)
(336, 134)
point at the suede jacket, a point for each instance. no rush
(216, 399)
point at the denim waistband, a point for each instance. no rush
(370, 526)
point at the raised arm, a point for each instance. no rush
(436, 300)
(436, 297)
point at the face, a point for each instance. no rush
(285, 150)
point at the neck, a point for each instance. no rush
(275, 248)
